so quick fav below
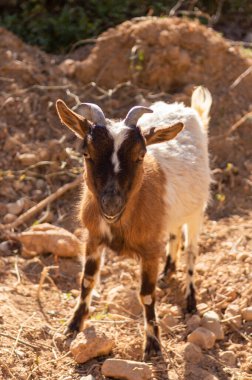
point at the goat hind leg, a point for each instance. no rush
(172, 250)
(193, 230)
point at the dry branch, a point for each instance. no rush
(241, 77)
(37, 208)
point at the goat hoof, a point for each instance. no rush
(71, 330)
(152, 348)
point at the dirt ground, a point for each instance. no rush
(159, 59)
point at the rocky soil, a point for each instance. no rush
(159, 59)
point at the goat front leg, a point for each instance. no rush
(89, 275)
(149, 271)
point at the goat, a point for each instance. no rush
(141, 186)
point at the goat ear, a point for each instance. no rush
(77, 123)
(160, 134)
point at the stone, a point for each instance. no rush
(233, 314)
(193, 322)
(89, 344)
(228, 357)
(17, 207)
(202, 337)
(88, 377)
(28, 159)
(124, 301)
(211, 321)
(126, 369)
(247, 313)
(192, 353)
(9, 218)
(5, 248)
(170, 321)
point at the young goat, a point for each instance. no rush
(140, 189)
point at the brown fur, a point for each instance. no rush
(139, 229)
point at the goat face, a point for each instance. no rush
(113, 163)
(113, 152)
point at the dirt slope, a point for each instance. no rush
(163, 59)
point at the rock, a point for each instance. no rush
(193, 322)
(17, 207)
(89, 344)
(192, 353)
(5, 248)
(211, 321)
(9, 218)
(28, 159)
(169, 321)
(124, 301)
(201, 374)
(126, 369)
(88, 377)
(228, 357)
(202, 337)
(247, 313)
(233, 314)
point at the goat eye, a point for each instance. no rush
(86, 154)
(141, 155)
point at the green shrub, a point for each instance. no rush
(56, 25)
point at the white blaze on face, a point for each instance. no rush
(119, 133)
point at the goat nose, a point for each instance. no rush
(111, 203)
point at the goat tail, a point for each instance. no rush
(201, 101)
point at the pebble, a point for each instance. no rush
(5, 248)
(124, 301)
(9, 218)
(202, 337)
(27, 159)
(193, 322)
(88, 377)
(247, 313)
(211, 321)
(17, 207)
(126, 369)
(233, 314)
(228, 357)
(192, 353)
(89, 344)
(170, 321)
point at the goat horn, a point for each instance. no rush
(134, 114)
(92, 112)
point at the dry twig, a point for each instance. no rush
(19, 340)
(241, 77)
(37, 208)
(47, 362)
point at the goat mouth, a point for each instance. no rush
(112, 218)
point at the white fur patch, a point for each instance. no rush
(86, 283)
(105, 229)
(147, 300)
(119, 133)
